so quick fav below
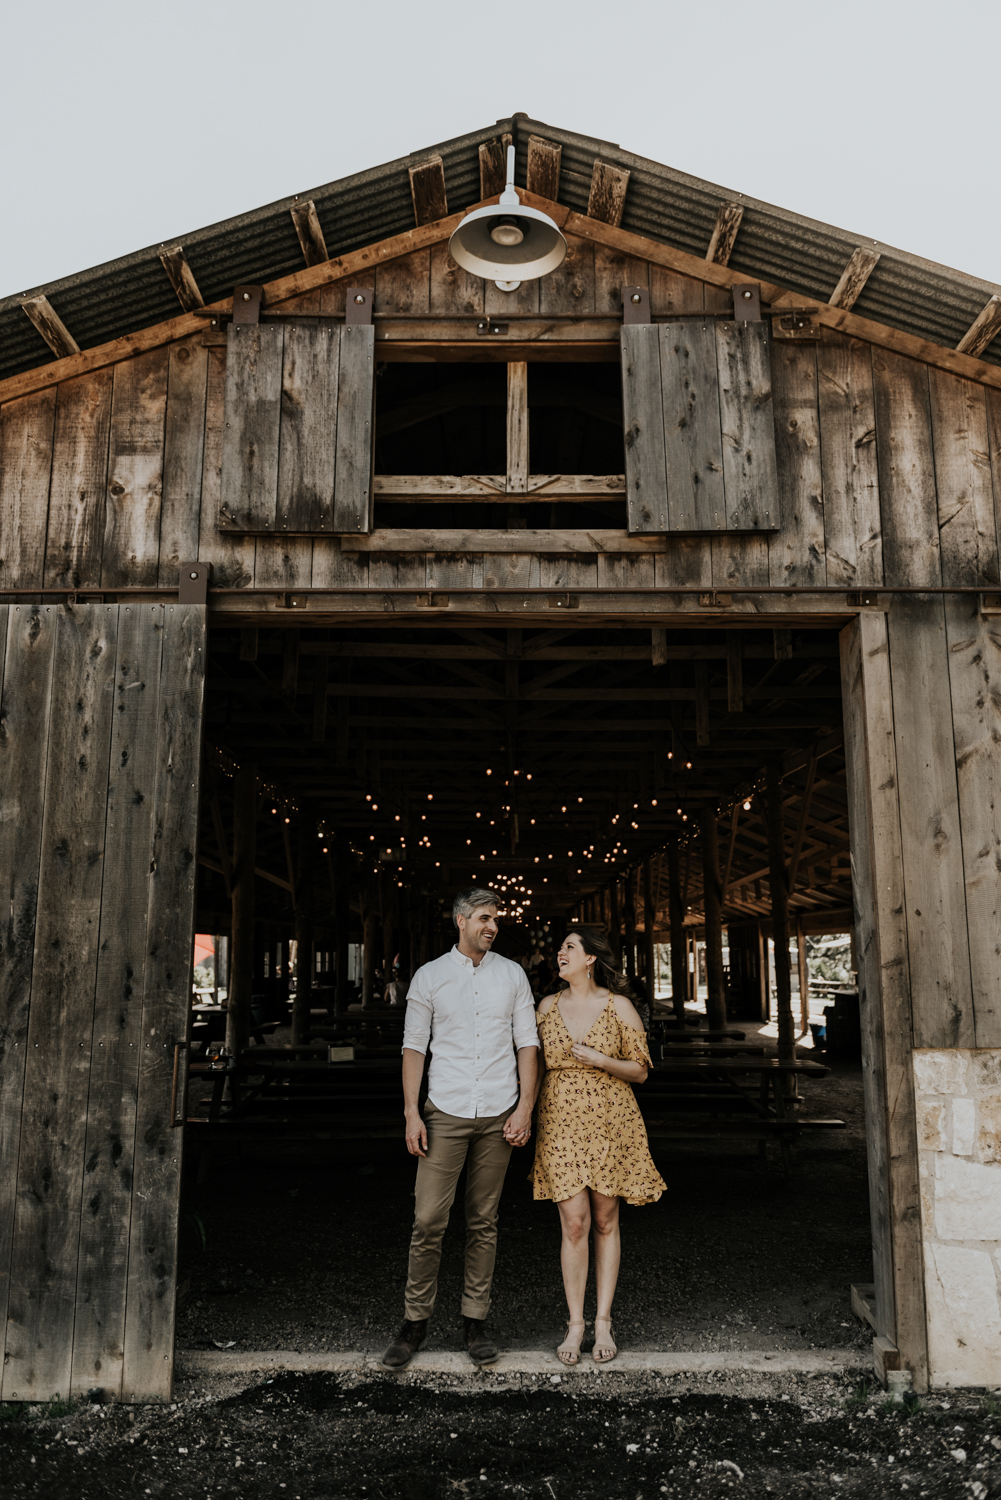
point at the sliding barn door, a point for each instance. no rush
(100, 741)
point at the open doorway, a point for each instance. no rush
(580, 772)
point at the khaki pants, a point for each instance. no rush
(453, 1142)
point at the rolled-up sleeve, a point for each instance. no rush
(417, 1023)
(523, 1027)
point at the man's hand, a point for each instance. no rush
(417, 1135)
(518, 1127)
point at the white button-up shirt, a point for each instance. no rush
(475, 1016)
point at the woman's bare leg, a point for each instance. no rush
(575, 1221)
(607, 1253)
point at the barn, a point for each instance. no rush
(658, 589)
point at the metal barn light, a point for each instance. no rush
(508, 240)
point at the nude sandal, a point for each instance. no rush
(568, 1352)
(603, 1344)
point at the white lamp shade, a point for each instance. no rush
(541, 250)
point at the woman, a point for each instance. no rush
(591, 1148)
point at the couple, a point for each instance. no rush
(476, 1010)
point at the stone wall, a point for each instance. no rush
(959, 1138)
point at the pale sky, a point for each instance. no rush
(127, 124)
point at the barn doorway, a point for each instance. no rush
(617, 774)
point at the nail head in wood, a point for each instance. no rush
(50, 325)
(181, 277)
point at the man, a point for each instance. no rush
(476, 1009)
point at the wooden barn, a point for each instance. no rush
(658, 590)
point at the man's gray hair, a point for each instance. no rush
(474, 896)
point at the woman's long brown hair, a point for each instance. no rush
(595, 943)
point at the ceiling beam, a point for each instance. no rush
(724, 233)
(307, 227)
(607, 197)
(543, 174)
(493, 165)
(853, 278)
(427, 189)
(983, 329)
(42, 314)
(181, 277)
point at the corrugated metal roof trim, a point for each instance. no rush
(663, 204)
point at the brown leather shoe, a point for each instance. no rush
(406, 1344)
(482, 1351)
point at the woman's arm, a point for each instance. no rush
(619, 1067)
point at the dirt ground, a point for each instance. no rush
(303, 1437)
(305, 1247)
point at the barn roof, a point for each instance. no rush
(107, 302)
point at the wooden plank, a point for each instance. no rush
(152, 1281)
(570, 572)
(181, 277)
(453, 289)
(404, 285)
(26, 652)
(852, 525)
(543, 170)
(50, 325)
(797, 555)
(626, 571)
(607, 196)
(397, 570)
(984, 328)
(307, 453)
(612, 271)
(973, 643)
(745, 399)
(884, 983)
(183, 458)
(643, 419)
(26, 430)
(355, 431)
(135, 471)
(941, 997)
(254, 354)
(492, 486)
(739, 561)
(310, 234)
(450, 570)
(692, 437)
(517, 428)
(966, 522)
(685, 563)
(333, 568)
(427, 189)
(906, 458)
(284, 562)
(231, 556)
(102, 1265)
(406, 539)
(674, 295)
(493, 166)
(513, 570)
(570, 288)
(50, 1170)
(721, 241)
(79, 482)
(853, 278)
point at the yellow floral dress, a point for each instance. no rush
(591, 1133)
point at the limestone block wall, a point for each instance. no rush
(959, 1139)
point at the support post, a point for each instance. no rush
(630, 902)
(804, 979)
(713, 903)
(241, 954)
(649, 920)
(615, 923)
(679, 950)
(778, 883)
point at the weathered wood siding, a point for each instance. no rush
(887, 471)
(101, 707)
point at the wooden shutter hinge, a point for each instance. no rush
(247, 304)
(193, 583)
(358, 305)
(747, 302)
(435, 600)
(635, 304)
(714, 600)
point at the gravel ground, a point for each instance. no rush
(305, 1247)
(297, 1437)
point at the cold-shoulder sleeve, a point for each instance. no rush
(633, 1044)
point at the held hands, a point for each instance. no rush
(417, 1136)
(518, 1127)
(588, 1055)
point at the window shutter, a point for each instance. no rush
(699, 435)
(297, 445)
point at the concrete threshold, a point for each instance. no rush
(525, 1362)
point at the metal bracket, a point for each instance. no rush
(747, 302)
(485, 329)
(713, 600)
(288, 600)
(247, 304)
(193, 584)
(564, 601)
(179, 1088)
(432, 601)
(797, 324)
(861, 598)
(635, 304)
(990, 605)
(358, 302)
